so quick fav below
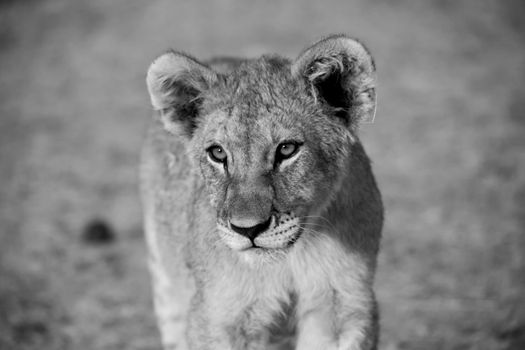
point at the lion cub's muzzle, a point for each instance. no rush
(277, 232)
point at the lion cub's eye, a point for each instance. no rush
(285, 151)
(217, 154)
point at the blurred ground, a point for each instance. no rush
(448, 146)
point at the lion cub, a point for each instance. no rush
(262, 216)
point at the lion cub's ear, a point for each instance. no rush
(341, 74)
(175, 84)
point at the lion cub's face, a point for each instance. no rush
(268, 155)
(270, 138)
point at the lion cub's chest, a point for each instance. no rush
(276, 290)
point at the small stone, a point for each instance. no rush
(98, 231)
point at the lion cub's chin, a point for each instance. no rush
(256, 256)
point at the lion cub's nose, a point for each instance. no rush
(244, 228)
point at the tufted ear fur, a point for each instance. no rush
(175, 84)
(341, 74)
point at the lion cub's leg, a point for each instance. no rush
(360, 330)
(236, 322)
(336, 304)
(341, 323)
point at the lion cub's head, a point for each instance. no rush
(271, 137)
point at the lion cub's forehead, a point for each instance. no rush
(258, 85)
(260, 102)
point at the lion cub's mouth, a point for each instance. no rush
(284, 230)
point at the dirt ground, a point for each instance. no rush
(448, 146)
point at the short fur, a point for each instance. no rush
(303, 283)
